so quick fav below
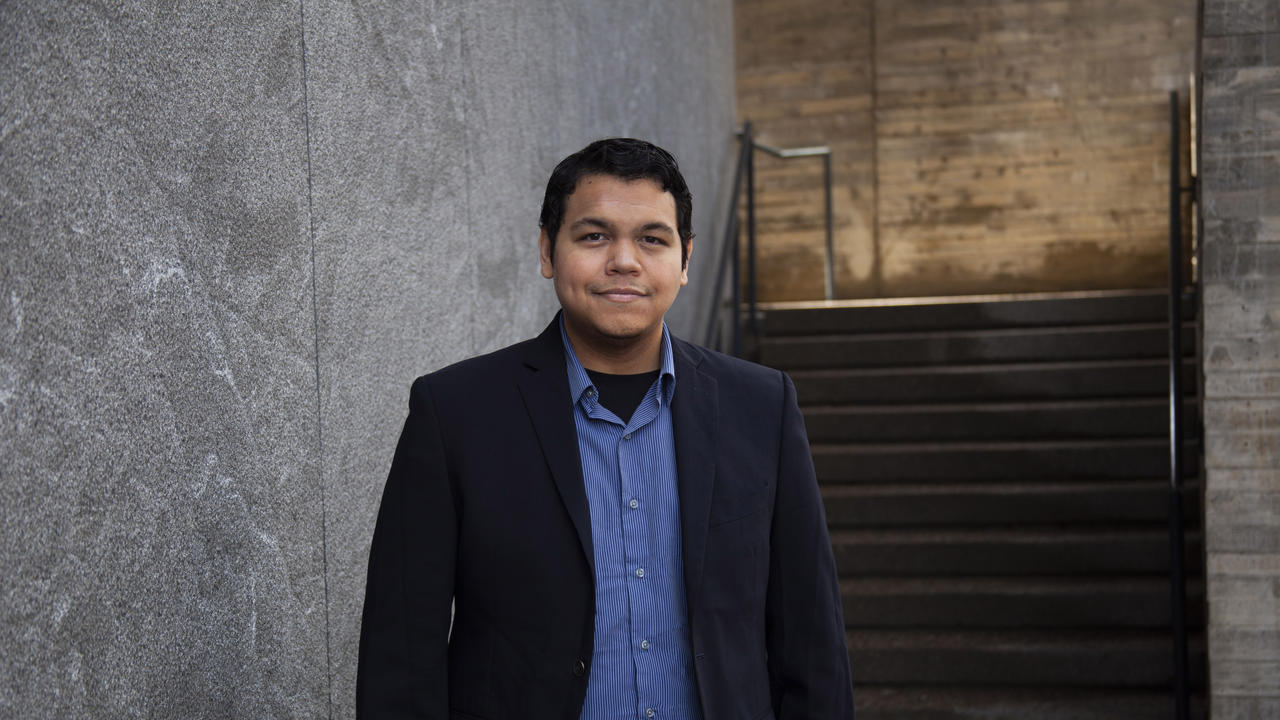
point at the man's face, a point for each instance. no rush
(617, 265)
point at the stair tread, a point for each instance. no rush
(1083, 419)
(1088, 640)
(1051, 703)
(971, 346)
(818, 338)
(971, 368)
(1078, 487)
(1019, 406)
(1028, 535)
(972, 311)
(1026, 586)
(988, 445)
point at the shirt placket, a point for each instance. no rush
(638, 545)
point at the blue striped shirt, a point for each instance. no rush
(641, 663)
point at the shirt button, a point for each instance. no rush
(627, 436)
(639, 572)
(644, 644)
(633, 504)
(648, 712)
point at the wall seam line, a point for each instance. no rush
(877, 263)
(465, 55)
(315, 320)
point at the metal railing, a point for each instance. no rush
(729, 256)
(730, 250)
(823, 151)
(1177, 533)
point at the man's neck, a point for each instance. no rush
(615, 356)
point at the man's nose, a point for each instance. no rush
(625, 257)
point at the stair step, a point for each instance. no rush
(982, 461)
(968, 383)
(1134, 659)
(956, 703)
(1030, 602)
(985, 504)
(1003, 551)
(975, 312)
(994, 472)
(1148, 340)
(1110, 418)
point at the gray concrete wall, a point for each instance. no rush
(231, 239)
(1240, 180)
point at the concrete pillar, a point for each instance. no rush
(232, 236)
(1240, 177)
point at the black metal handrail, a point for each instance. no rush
(729, 256)
(1177, 535)
(730, 250)
(824, 152)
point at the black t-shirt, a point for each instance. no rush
(622, 393)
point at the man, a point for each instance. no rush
(625, 525)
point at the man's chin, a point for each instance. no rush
(621, 334)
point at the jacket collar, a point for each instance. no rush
(695, 420)
(544, 384)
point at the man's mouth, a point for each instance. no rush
(621, 295)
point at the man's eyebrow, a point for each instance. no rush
(656, 227)
(591, 222)
(609, 226)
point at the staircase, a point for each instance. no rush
(995, 473)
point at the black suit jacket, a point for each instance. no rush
(485, 508)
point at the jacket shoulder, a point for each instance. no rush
(474, 374)
(734, 374)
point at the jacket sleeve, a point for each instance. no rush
(404, 634)
(808, 658)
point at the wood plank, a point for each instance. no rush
(1002, 146)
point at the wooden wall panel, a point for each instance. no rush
(804, 79)
(997, 146)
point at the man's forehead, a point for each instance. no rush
(597, 179)
(590, 187)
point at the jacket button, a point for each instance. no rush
(579, 668)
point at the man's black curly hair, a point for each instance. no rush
(625, 158)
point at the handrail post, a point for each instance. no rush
(824, 151)
(735, 276)
(831, 253)
(729, 250)
(1177, 579)
(751, 245)
(744, 162)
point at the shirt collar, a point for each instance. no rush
(580, 381)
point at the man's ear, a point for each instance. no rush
(684, 269)
(544, 254)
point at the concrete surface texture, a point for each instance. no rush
(1240, 179)
(232, 238)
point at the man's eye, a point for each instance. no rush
(651, 240)
(593, 237)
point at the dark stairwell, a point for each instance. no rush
(995, 473)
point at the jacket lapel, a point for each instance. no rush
(544, 385)
(694, 414)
